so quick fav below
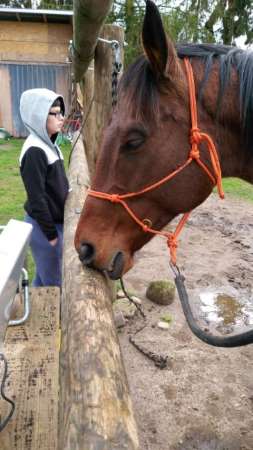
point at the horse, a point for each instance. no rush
(183, 119)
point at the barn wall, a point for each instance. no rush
(34, 42)
(16, 78)
(31, 55)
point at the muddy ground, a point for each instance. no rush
(203, 400)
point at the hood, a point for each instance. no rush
(34, 108)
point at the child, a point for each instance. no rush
(45, 181)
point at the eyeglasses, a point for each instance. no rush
(58, 115)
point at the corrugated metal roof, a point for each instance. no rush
(36, 15)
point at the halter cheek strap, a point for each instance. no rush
(196, 137)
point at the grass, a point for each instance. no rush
(238, 188)
(12, 192)
(11, 188)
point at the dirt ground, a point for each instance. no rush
(203, 400)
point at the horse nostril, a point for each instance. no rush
(86, 253)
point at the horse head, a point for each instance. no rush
(147, 138)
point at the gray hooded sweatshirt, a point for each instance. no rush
(41, 162)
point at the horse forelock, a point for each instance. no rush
(140, 87)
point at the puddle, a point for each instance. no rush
(229, 309)
(226, 312)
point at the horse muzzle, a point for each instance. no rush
(114, 269)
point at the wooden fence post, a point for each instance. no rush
(97, 93)
(103, 78)
(90, 119)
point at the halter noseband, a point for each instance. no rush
(196, 137)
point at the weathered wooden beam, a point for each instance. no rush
(97, 91)
(89, 16)
(89, 112)
(95, 405)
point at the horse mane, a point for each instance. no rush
(142, 84)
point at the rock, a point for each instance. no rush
(136, 299)
(119, 319)
(125, 306)
(163, 325)
(120, 294)
(161, 292)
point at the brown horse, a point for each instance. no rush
(148, 136)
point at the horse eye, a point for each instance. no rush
(133, 144)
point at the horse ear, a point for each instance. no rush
(158, 48)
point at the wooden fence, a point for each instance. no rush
(95, 408)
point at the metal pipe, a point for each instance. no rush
(25, 286)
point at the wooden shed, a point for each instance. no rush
(33, 53)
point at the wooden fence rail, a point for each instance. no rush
(95, 405)
(95, 408)
(88, 19)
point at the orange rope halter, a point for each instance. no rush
(196, 137)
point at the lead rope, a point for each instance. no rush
(160, 361)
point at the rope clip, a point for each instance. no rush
(175, 270)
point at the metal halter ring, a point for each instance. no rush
(147, 222)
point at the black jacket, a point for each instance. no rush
(46, 184)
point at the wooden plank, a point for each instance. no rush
(32, 352)
(34, 42)
(63, 85)
(5, 104)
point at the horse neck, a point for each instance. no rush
(225, 126)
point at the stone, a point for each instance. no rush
(136, 299)
(161, 292)
(163, 325)
(127, 308)
(120, 294)
(119, 319)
